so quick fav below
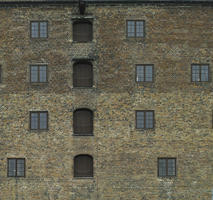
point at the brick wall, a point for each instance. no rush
(125, 159)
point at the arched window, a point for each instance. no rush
(82, 31)
(83, 166)
(82, 74)
(83, 122)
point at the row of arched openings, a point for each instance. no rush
(83, 166)
(83, 118)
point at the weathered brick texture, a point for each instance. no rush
(125, 159)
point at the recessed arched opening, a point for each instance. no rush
(82, 74)
(82, 31)
(83, 122)
(83, 166)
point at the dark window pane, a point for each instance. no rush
(144, 73)
(149, 119)
(20, 167)
(140, 119)
(34, 74)
(167, 167)
(82, 31)
(83, 166)
(34, 30)
(12, 167)
(139, 28)
(131, 28)
(140, 73)
(162, 167)
(195, 73)
(34, 120)
(16, 167)
(135, 28)
(83, 75)
(43, 73)
(83, 122)
(171, 167)
(149, 73)
(200, 73)
(204, 73)
(43, 120)
(43, 29)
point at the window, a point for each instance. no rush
(135, 28)
(82, 74)
(38, 73)
(166, 167)
(82, 31)
(200, 73)
(39, 29)
(83, 122)
(39, 120)
(83, 166)
(144, 73)
(145, 119)
(15, 167)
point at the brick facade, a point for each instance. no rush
(125, 158)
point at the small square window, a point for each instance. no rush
(145, 119)
(38, 73)
(200, 73)
(16, 167)
(39, 120)
(135, 28)
(39, 29)
(166, 167)
(144, 73)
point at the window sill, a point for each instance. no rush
(40, 130)
(167, 177)
(89, 42)
(38, 39)
(135, 39)
(82, 135)
(144, 82)
(93, 87)
(38, 83)
(200, 82)
(79, 178)
(139, 37)
(145, 130)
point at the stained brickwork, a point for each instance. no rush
(125, 158)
